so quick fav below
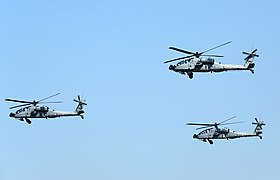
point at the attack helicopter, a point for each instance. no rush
(30, 109)
(212, 131)
(194, 62)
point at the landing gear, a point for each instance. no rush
(190, 74)
(28, 121)
(210, 141)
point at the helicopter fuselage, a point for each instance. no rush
(214, 132)
(205, 65)
(194, 62)
(222, 133)
(40, 112)
(30, 109)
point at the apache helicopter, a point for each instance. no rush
(194, 63)
(32, 110)
(214, 132)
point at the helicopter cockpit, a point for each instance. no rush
(184, 62)
(22, 110)
(205, 131)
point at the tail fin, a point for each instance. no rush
(249, 64)
(258, 129)
(79, 109)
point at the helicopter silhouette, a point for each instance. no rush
(195, 63)
(30, 109)
(215, 132)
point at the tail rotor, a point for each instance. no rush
(249, 60)
(251, 55)
(81, 102)
(258, 129)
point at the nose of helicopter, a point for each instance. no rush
(12, 115)
(171, 67)
(195, 136)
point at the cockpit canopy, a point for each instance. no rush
(184, 61)
(33, 108)
(205, 131)
(208, 61)
(22, 110)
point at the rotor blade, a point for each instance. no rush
(200, 124)
(185, 57)
(203, 127)
(246, 53)
(251, 54)
(254, 51)
(216, 47)
(50, 102)
(79, 98)
(19, 106)
(232, 123)
(212, 55)
(226, 120)
(75, 100)
(256, 120)
(49, 97)
(181, 50)
(19, 101)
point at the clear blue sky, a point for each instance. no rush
(112, 53)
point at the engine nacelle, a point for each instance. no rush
(208, 61)
(223, 130)
(41, 109)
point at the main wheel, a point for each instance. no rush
(28, 121)
(190, 75)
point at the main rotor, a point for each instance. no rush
(32, 103)
(207, 125)
(194, 54)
